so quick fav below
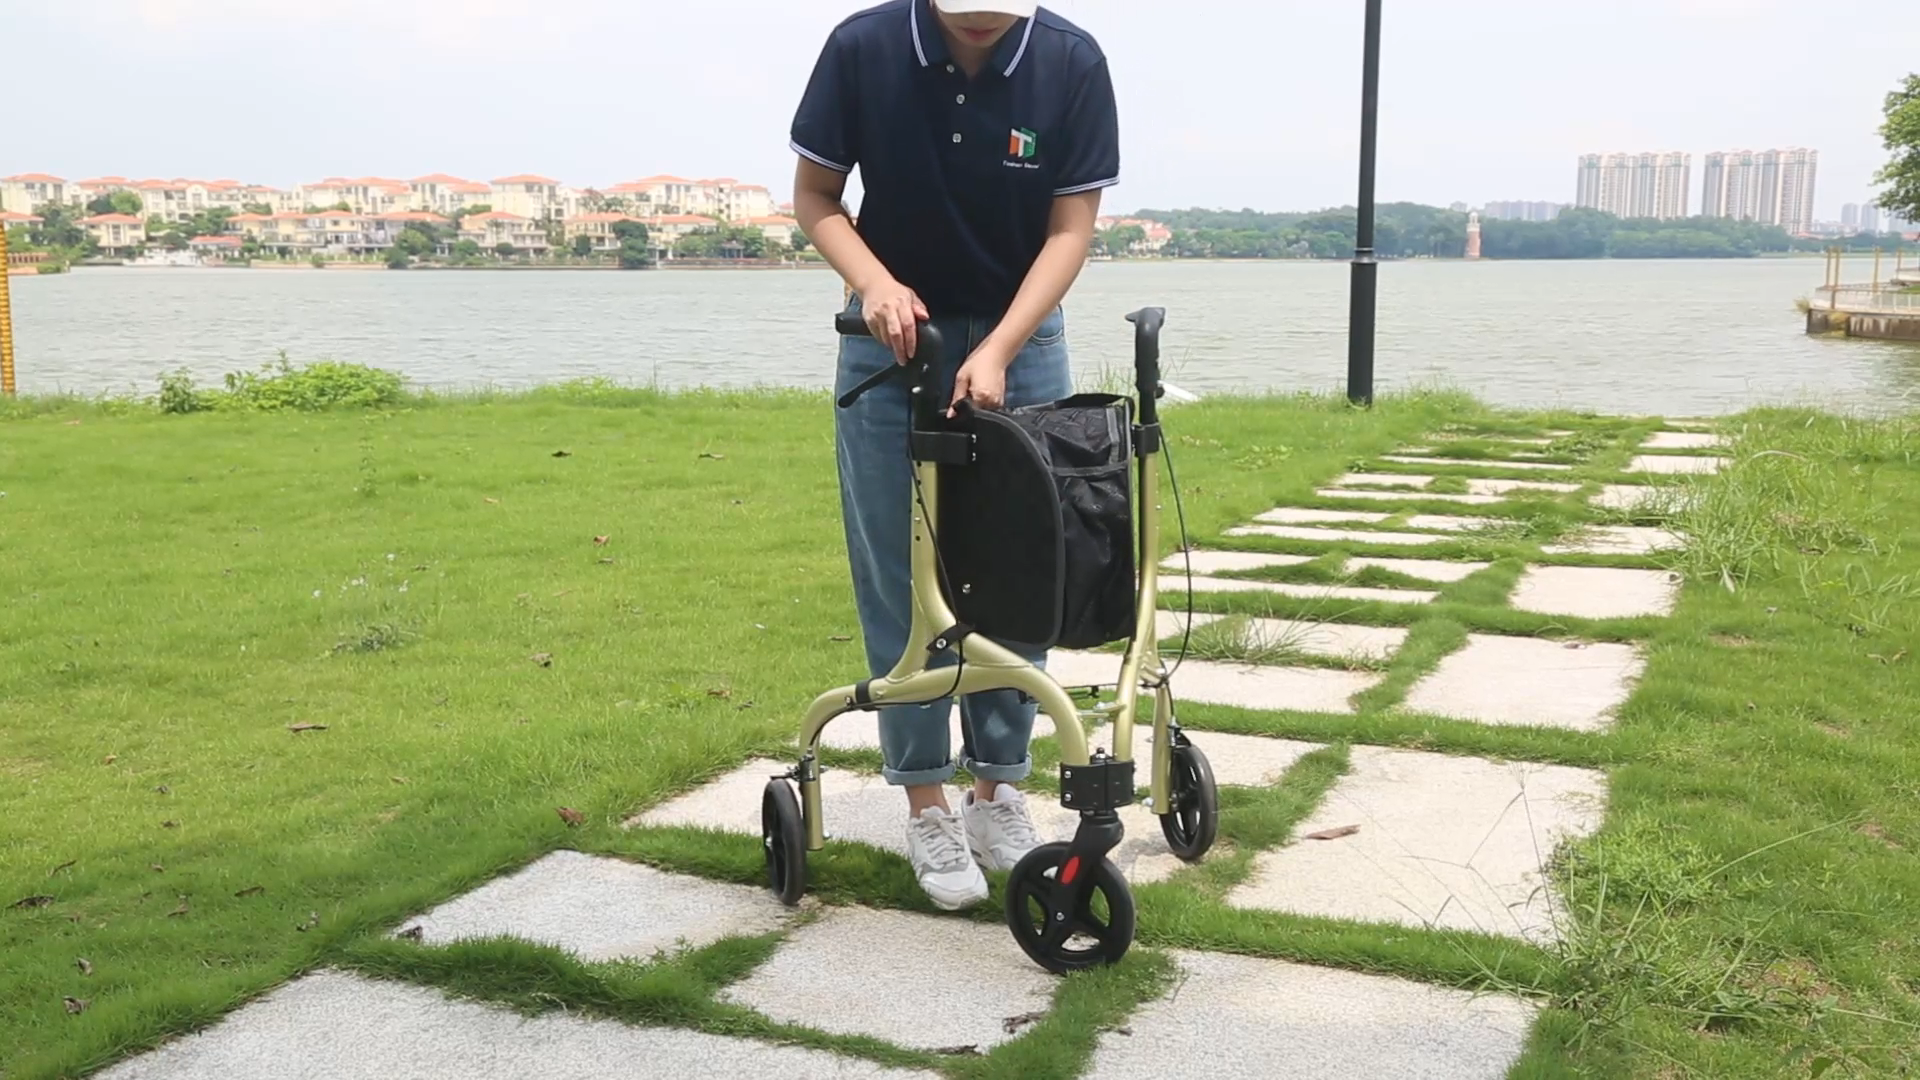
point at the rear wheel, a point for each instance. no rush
(1192, 820)
(785, 841)
(1100, 926)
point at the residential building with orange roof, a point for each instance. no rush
(115, 234)
(496, 227)
(530, 196)
(27, 192)
(775, 227)
(597, 227)
(441, 192)
(14, 217)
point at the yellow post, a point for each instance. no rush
(1876, 268)
(6, 320)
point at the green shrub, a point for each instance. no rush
(280, 386)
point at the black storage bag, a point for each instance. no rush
(1036, 534)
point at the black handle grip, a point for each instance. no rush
(924, 366)
(1146, 360)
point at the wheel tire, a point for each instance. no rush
(1031, 909)
(1193, 822)
(784, 838)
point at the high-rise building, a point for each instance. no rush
(1522, 211)
(1636, 185)
(1850, 215)
(1869, 218)
(1798, 170)
(1773, 187)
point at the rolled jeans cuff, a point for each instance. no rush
(999, 774)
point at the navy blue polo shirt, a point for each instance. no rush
(960, 174)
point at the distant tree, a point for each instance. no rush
(583, 245)
(256, 208)
(636, 249)
(398, 259)
(415, 241)
(800, 241)
(1902, 134)
(505, 250)
(250, 248)
(156, 223)
(174, 240)
(343, 206)
(467, 249)
(58, 229)
(115, 202)
(212, 222)
(468, 211)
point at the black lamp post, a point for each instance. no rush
(1366, 271)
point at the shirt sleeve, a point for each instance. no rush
(1092, 130)
(827, 124)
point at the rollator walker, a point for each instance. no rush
(1024, 530)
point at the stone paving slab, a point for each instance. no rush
(1334, 536)
(1214, 562)
(1209, 682)
(1683, 440)
(1304, 592)
(864, 808)
(1236, 760)
(332, 1025)
(1386, 496)
(1675, 464)
(1478, 463)
(1517, 681)
(1448, 523)
(857, 807)
(1431, 569)
(1595, 592)
(1616, 540)
(1294, 515)
(1318, 638)
(1482, 486)
(1235, 1017)
(1448, 842)
(1646, 497)
(1359, 479)
(918, 981)
(603, 909)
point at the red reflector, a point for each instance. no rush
(1070, 871)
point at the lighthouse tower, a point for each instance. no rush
(1473, 235)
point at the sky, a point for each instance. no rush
(1223, 103)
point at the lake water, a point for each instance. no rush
(1676, 337)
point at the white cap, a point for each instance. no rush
(1019, 9)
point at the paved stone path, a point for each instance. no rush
(1406, 841)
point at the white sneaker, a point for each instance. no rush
(936, 845)
(1001, 832)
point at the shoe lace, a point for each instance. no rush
(1012, 820)
(942, 839)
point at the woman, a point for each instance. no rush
(984, 131)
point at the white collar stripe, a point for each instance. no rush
(1024, 38)
(913, 24)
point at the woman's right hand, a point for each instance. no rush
(892, 312)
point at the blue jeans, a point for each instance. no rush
(876, 500)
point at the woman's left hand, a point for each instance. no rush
(982, 379)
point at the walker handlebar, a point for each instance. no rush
(925, 364)
(1146, 360)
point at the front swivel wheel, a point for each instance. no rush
(1060, 925)
(1192, 820)
(784, 838)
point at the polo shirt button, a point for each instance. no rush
(956, 136)
(949, 69)
(960, 99)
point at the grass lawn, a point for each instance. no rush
(593, 599)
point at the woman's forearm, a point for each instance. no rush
(1052, 274)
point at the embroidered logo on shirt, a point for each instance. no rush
(1022, 144)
